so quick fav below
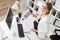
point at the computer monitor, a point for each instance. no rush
(9, 17)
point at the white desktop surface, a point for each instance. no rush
(13, 32)
(27, 26)
(5, 28)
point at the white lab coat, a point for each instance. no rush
(43, 27)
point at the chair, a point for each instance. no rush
(56, 36)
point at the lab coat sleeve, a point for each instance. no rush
(43, 30)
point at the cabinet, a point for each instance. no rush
(36, 5)
(56, 16)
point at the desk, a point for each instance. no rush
(27, 26)
(13, 32)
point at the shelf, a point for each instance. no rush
(35, 12)
(31, 4)
(52, 20)
(57, 18)
(53, 12)
(33, 0)
(39, 4)
(30, 8)
(57, 23)
(53, 2)
(58, 15)
(36, 8)
(56, 8)
(53, 16)
(57, 4)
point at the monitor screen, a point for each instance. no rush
(9, 18)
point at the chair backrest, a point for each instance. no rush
(57, 31)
